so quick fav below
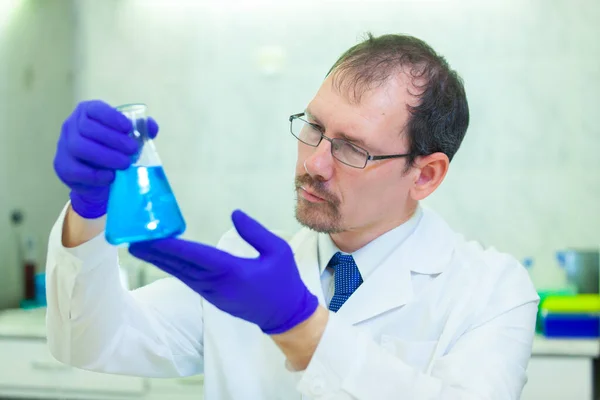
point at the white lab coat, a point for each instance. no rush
(441, 318)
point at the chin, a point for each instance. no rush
(322, 218)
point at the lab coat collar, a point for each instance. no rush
(429, 249)
(426, 251)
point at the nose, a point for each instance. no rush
(319, 165)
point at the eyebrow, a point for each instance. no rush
(341, 135)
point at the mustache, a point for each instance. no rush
(317, 187)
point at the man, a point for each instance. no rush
(377, 298)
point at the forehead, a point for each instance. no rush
(378, 118)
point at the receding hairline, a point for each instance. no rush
(374, 61)
(344, 81)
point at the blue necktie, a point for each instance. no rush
(347, 279)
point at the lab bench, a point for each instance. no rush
(28, 370)
(558, 370)
(562, 369)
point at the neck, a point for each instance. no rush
(354, 239)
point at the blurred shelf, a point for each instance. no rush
(543, 346)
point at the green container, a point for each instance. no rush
(539, 327)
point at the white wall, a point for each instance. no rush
(6, 252)
(36, 92)
(527, 179)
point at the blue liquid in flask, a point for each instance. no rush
(142, 207)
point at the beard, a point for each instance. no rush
(322, 217)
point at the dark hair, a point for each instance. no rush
(439, 121)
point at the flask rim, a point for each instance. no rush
(132, 108)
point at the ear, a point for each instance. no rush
(429, 173)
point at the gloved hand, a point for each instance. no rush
(266, 290)
(93, 144)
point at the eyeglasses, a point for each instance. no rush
(341, 149)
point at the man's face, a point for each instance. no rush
(334, 197)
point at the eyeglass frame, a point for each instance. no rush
(330, 140)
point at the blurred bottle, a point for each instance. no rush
(27, 251)
(29, 267)
(582, 268)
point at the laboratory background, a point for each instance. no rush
(222, 77)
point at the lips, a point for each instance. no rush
(308, 196)
(311, 192)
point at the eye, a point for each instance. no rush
(315, 127)
(355, 149)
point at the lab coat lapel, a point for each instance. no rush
(426, 251)
(388, 287)
(304, 247)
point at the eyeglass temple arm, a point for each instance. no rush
(388, 156)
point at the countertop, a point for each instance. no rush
(31, 324)
(566, 347)
(23, 323)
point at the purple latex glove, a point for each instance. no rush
(266, 290)
(93, 144)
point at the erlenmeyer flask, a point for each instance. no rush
(141, 204)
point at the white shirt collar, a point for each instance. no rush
(370, 256)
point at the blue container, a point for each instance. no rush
(571, 325)
(40, 293)
(40, 289)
